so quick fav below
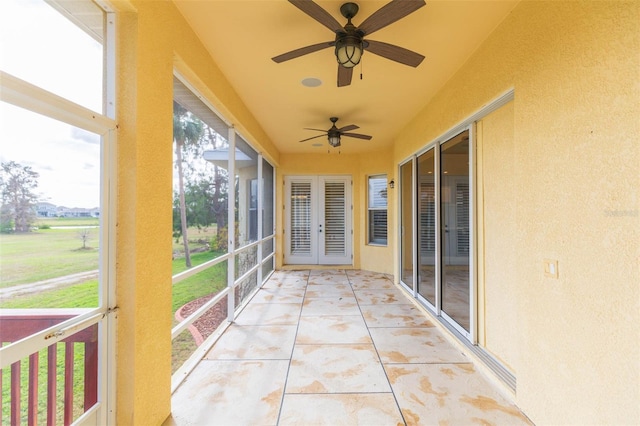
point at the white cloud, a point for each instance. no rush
(41, 46)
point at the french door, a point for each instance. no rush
(318, 220)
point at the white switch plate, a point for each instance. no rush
(550, 268)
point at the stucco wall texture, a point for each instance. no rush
(573, 195)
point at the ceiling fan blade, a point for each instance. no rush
(357, 135)
(313, 137)
(302, 51)
(395, 53)
(389, 13)
(319, 130)
(344, 76)
(348, 128)
(318, 13)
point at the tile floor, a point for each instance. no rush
(336, 347)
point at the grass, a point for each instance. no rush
(68, 221)
(45, 254)
(51, 253)
(83, 295)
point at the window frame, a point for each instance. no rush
(371, 240)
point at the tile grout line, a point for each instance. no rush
(375, 348)
(293, 348)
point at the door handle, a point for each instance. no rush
(319, 228)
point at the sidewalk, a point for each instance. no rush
(67, 280)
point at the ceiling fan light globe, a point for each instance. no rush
(334, 140)
(349, 51)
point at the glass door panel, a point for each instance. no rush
(333, 224)
(406, 224)
(427, 227)
(454, 204)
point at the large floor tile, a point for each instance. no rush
(369, 280)
(341, 409)
(329, 280)
(337, 329)
(328, 290)
(295, 279)
(336, 369)
(376, 296)
(394, 315)
(270, 314)
(231, 393)
(335, 305)
(279, 295)
(255, 342)
(449, 394)
(414, 345)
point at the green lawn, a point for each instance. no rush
(51, 253)
(45, 254)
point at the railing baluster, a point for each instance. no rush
(15, 394)
(1, 394)
(90, 374)
(32, 408)
(52, 378)
(68, 382)
(21, 323)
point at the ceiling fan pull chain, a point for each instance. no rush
(361, 69)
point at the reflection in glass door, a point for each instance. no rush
(427, 227)
(455, 235)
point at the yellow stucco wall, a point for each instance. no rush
(497, 231)
(575, 69)
(152, 39)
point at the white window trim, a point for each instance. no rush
(370, 242)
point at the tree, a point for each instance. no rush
(18, 184)
(187, 131)
(84, 234)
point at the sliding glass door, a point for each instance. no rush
(427, 242)
(435, 201)
(455, 226)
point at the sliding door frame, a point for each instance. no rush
(467, 124)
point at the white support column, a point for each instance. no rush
(414, 224)
(231, 226)
(473, 252)
(259, 215)
(438, 220)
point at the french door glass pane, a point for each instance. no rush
(334, 218)
(406, 222)
(300, 218)
(455, 228)
(427, 227)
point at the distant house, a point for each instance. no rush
(46, 210)
(51, 210)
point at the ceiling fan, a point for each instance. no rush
(334, 134)
(349, 40)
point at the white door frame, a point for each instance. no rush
(316, 253)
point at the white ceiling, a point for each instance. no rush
(243, 35)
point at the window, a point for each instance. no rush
(377, 209)
(57, 142)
